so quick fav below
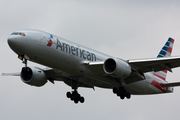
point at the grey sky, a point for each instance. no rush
(126, 29)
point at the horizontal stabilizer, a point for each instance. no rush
(170, 84)
(11, 74)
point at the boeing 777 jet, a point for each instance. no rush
(80, 66)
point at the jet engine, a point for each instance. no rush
(33, 76)
(117, 68)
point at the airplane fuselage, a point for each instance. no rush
(72, 60)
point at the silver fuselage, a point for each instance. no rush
(69, 57)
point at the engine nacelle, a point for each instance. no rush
(117, 68)
(33, 76)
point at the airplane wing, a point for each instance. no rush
(143, 65)
(57, 75)
(140, 66)
(155, 64)
(54, 75)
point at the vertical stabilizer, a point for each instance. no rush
(165, 52)
(167, 49)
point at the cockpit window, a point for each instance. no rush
(18, 33)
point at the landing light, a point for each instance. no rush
(21, 57)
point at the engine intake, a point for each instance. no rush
(33, 76)
(117, 68)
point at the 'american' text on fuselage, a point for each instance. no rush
(75, 51)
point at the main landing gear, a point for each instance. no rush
(75, 96)
(121, 92)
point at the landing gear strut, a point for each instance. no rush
(24, 58)
(121, 92)
(25, 62)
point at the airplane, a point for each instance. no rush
(79, 66)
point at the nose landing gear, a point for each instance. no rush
(24, 58)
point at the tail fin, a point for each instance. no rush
(165, 52)
(167, 49)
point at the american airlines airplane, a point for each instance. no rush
(79, 66)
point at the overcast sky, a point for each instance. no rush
(127, 29)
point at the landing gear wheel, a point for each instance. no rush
(72, 97)
(115, 90)
(121, 92)
(81, 99)
(128, 95)
(122, 96)
(68, 94)
(118, 94)
(76, 101)
(75, 96)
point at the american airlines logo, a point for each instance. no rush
(50, 41)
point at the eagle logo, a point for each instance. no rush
(50, 42)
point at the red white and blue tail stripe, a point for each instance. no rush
(167, 49)
(165, 52)
(161, 75)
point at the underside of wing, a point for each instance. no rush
(57, 75)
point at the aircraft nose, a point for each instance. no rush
(11, 41)
(15, 44)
